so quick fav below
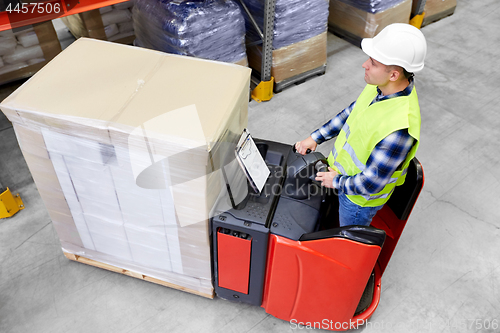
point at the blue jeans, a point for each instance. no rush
(352, 214)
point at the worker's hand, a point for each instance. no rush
(326, 178)
(303, 145)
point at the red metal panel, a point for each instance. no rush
(393, 227)
(319, 281)
(48, 10)
(363, 317)
(233, 262)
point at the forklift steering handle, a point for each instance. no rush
(295, 149)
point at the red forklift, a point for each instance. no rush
(284, 251)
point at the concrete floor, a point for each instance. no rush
(443, 277)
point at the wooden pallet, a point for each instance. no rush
(344, 34)
(133, 274)
(299, 79)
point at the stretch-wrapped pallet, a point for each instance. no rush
(126, 146)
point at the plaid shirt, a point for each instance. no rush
(385, 158)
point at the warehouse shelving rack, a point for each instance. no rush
(263, 80)
(39, 15)
(417, 13)
(38, 12)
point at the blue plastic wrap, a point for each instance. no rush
(372, 6)
(294, 20)
(212, 29)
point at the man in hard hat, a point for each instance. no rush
(378, 134)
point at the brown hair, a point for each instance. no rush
(401, 70)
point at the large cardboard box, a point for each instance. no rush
(294, 59)
(126, 146)
(438, 9)
(356, 24)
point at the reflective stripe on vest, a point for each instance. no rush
(364, 129)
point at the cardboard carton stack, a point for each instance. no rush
(299, 38)
(126, 149)
(111, 23)
(358, 19)
(438, 9)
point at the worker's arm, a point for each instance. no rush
(385, 158)
(329, 130)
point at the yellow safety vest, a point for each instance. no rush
(365, 127)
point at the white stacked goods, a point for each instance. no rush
(23, 48)
(129, 164)
(23, 54)
(19, 50)
(117, 20)
(63, 34)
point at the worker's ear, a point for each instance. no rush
(395, 75)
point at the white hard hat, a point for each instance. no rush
(398, 44)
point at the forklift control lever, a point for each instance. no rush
(295, 149)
